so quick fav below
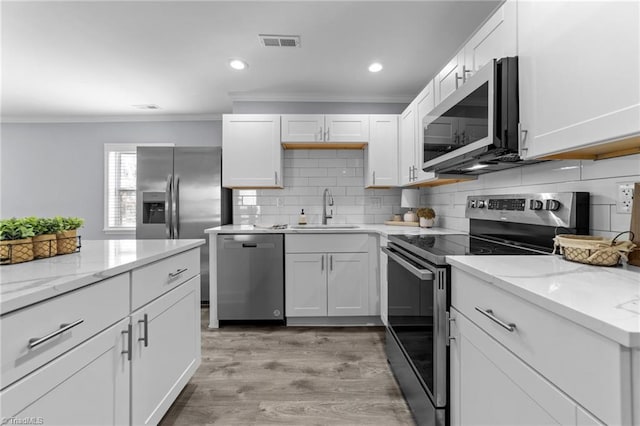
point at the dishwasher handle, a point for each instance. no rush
(249, 245)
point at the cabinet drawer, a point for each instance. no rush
(98, 306)
(567, 354)
(152, 281)
(323, 243)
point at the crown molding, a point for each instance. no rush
(316, 97)
(110, 118)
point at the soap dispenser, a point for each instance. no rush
(302, 220)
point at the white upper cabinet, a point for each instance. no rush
(252, 154)
(579, 73)
(348, 128)
(302, 128)
(424, 105)
(497, 38)
(449, 78)
(381, 155)
(406, 145)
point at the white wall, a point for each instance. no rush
(306, 174)
(50, 169)
(599, 178)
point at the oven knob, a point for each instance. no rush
(482, 204)
(552, 205)
(535, 205)
(472, 204)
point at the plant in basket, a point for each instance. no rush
(427, 216)
(67, 236)
(15, 241)
(44, 241)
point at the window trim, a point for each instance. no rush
(118, 147)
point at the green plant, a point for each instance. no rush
(426, 212)
(47, 225)
(69, 223)
(15, 229)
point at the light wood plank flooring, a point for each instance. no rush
(291, 376)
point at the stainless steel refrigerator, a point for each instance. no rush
(179, 195)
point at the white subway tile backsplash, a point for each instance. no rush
(615, 167)
(301, 162)
(551, 172)
(600, 217)
(343, 171)
(510, 177)
(296, 153)
(620, 222)
(323, 153)
(355, 162)
(313, 172)
(332, 162)
(351, 153)
(321, 181)
(350, 181)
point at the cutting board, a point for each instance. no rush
(634, 256)
(401, 223)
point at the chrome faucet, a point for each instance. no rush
(324, 205)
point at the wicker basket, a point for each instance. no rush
(591, 250)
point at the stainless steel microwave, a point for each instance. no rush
(475, 129)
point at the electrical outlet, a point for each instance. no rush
(625, 197)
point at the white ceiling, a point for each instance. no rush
(84, 60)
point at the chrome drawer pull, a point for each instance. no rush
(489, 314)
(178, 272)
(37, 341)
(145, 339)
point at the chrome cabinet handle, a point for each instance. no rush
(489, 314)
(522, 134)
(328, 134)
(457, 78)
(129, 341)
(177, 272)
(415, 173)
(331, 262)
(320, 134)
(168, 200)
(322, 262)
(465, 71)
(145, 339)
(449, 336)
(374, 177)
(37, 341)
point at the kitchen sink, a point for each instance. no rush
(319, 226)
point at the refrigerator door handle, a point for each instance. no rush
(167, 206)
(176, 208)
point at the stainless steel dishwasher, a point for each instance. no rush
(250, 277)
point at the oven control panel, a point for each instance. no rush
(550, 209)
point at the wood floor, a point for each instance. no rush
(291, 376)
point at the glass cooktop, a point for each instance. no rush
(436, 247)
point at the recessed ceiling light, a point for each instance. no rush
(238, 64)
(375, 67)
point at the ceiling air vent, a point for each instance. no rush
(268, 40)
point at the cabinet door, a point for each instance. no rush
(251, 151)
(348, 284)
(88, 385)
(579, 64)
(424, 105)
(407, 144)
(302, 128)
(306, 285)
(490, 386)
(346, 128)
(449, 78)
(495, 39)
(382, 151)
(166, 350)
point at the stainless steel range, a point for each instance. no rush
(419, 282)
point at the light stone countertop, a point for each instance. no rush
(381, 229)
(605, 300)
(26, 283)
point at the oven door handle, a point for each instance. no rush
(423, 274)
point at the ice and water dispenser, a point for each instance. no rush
(153, 207)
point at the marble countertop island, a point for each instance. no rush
(26, 283)
(603, 299)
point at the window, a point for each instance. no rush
(120, 187)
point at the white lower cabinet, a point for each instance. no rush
(490, 386)
(166, 350)
(88, 385)
(331, 275)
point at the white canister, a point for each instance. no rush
(426, 223)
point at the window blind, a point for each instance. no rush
(121, 187)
